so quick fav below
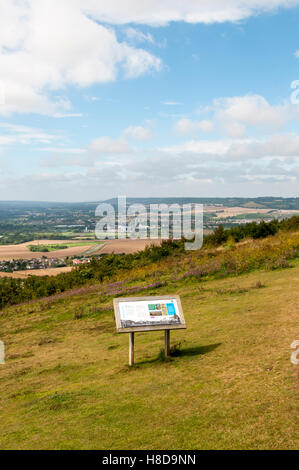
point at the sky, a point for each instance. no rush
(146, 99)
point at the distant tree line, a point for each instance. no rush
(251, 230)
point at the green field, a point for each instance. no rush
(63, 246)
(229, 384)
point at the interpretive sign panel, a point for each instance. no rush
(148, 313)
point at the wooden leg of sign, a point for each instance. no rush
(167, 343)
(131, 349)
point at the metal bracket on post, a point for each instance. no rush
(167, 343)
(131, 349)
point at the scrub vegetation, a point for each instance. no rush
(170, 262)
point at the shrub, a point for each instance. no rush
(279, 263)
(79, 314)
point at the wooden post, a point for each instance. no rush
(131, 349)
(167, 343)
(2, 353)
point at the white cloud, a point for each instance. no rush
(92, 98)
(206, 126)
(138, 36)
(107, 145)
(245, 167)
(277, 146)
(136, 62)
(235, 130)
(68, 115)
(188, 126)
(203, 147)
(282, 146)
(155, 12)
(171, 103)
(139, 133)
(14, 133)
(296, 54)
(251, 110)
(46, 45)
(236, 115)
(62, 150)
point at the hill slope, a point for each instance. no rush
(230, 384)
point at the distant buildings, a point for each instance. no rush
(9, 266)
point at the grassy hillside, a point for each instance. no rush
(140, 266)
(229, 383)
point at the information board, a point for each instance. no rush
(148, 313)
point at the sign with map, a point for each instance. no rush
(148, 313)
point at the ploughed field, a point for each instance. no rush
(127, 246)
(79, 248)
(37, 272)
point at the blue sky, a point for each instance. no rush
(192, 100)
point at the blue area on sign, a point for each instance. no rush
(170, 309)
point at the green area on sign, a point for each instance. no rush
(152, 307)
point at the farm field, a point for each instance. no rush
(37, 272)
(127, 246)
(228, 212)
(9, 252)
(21, 251)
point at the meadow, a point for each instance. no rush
(229, 383)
